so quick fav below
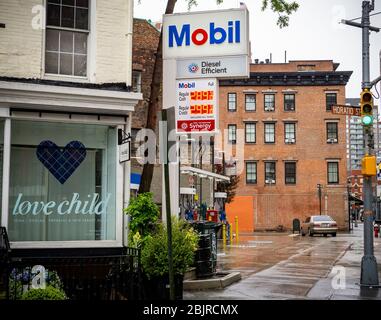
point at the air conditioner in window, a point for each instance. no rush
(269, 181)
(290, 141)
(331, 140)
(269, 108)
(289, 106)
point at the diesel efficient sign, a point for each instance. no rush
(226, 67)
(205, 34)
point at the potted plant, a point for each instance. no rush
(155, 258)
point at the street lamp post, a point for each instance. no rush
(319, 193)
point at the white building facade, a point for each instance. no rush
(65, 95)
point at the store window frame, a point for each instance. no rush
(117, 242)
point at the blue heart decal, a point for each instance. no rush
(61, 162)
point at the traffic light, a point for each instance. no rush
(366, 102)
(369, 166)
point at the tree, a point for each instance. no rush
(284, 10)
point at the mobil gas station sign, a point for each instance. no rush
(206, 34)
(204, 47)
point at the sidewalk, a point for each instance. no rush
(276, 267)
(351, 261)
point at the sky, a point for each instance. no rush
(314, 32)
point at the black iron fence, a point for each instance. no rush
(114, 277)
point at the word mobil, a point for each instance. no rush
(217, 35)
(90, 206)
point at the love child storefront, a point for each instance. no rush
(63, 187)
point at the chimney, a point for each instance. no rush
(267, 61)
(256, 61)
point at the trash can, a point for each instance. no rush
(206, 255)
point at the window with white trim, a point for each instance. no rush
(251, 172)
(332, 132)
(250, 132)
(289, 133)
(270, 172)
(289, 102)
(250, 102)
(232, 133)
(269, 100)
(67, 32)
(333, 172)
(269, 132)
(232, 102)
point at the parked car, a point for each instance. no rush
(319, 225)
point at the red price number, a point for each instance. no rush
(201, 109)
(201, 95)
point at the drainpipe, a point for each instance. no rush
(126, 187)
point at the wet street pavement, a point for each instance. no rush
(286, 266)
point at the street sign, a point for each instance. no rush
(346, 110)
(125, 152)
(221, 67)
(196, 106)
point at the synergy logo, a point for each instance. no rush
(193, 67)
(215, 35)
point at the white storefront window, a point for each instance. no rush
(62, 182)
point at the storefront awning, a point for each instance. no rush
(203, 173)
(356, 200)
(24, 95)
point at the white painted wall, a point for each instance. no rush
(20, 44)
(110, 46)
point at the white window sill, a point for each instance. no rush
(62, 77)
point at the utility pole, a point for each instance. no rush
(172, 295)
(369, 271)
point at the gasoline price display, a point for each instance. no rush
(201, 95)
(201, 109)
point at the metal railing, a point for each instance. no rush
(114, 277)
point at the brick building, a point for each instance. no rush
(145, 41)
(281, 118)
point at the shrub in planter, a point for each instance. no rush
(144, 216)
(155, 257)
(49, 293)
(20, 282)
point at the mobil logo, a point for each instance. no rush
(186, 34)
(187, 85)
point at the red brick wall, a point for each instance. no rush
(144, 44)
